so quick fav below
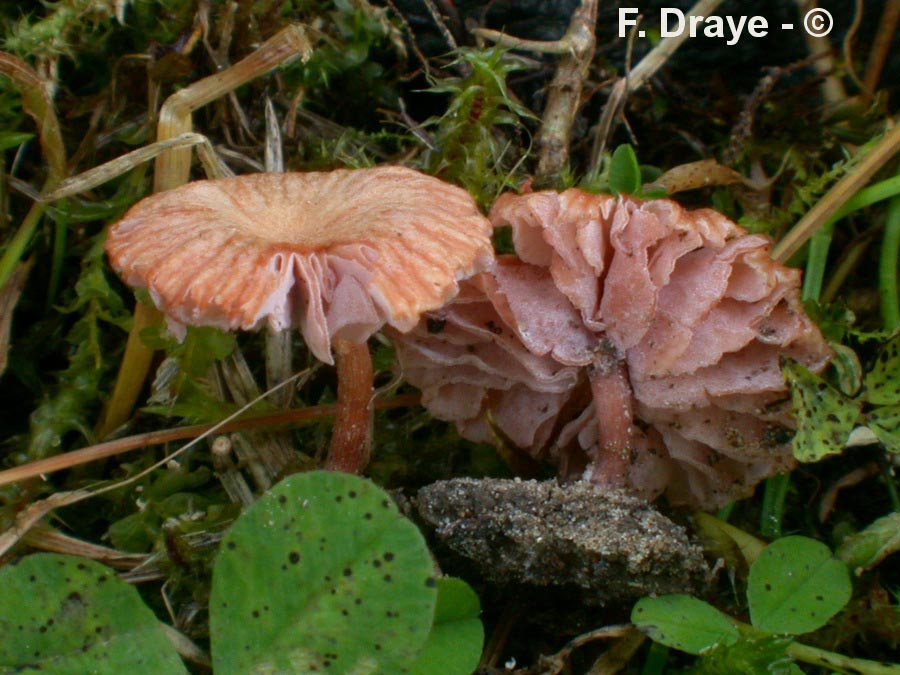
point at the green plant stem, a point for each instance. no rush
(846, 265)
(657, 656)
(60, 232)
(725, 512)
(773, 505)
(820, 657)
(16, 248)
(836, 200)
(887, 269)
(839, 662)
(891, 486)
(37, 103)
(871, 195)
(819, 244)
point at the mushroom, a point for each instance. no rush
(511, 343)
(687, 317)
(338, 254)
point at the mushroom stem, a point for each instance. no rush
(351, 439)
(612, 402)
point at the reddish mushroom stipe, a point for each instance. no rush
(338, 253)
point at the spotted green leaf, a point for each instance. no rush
(61, 615)
(795, 586)
(454, 644)
(825, 417)
(882, 383)
(683, 622)
(885, 424)
(322, 574)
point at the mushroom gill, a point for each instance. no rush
(681, 318)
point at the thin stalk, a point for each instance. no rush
(838, 196)
(839, 662)
(725, 512)
(60, 232)
(121, 445)
(820, 242)
(881, 45)
(887, 268)
(657, 656)
(814, 277)
(173, 168)
(873, 194)
(17, 245)
(564, 95)
(773, 505)
(37, 102)
(132, 372)
(889, 481)
(846, 265)
(612, 396)
(351, 440)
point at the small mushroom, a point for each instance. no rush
(686, 317)
(338, 254)
(509, 343)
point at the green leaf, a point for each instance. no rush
(795, 586)
(322, 573)
(885, 424)
(881, 385)
(825, 417)
(11, 139)
(728, 541)
(683, 622)
(61, 614)
(748, 656)
(454, 644)
(624, 171)
(869, 547)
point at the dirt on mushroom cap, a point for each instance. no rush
(338, 253)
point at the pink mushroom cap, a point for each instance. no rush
(338, 254)
(689, 302)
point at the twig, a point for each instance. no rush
(439, 21)
(637, 78)
(835, 198)
(832, 89)
(881, 45)
(557, 47)
(121, 445)
(847, 46)
(564, 92)
(37, 102)
(412, 38)
(556, 663)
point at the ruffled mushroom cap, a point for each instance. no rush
(696, 314)
(339, 254)
(510, 343)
